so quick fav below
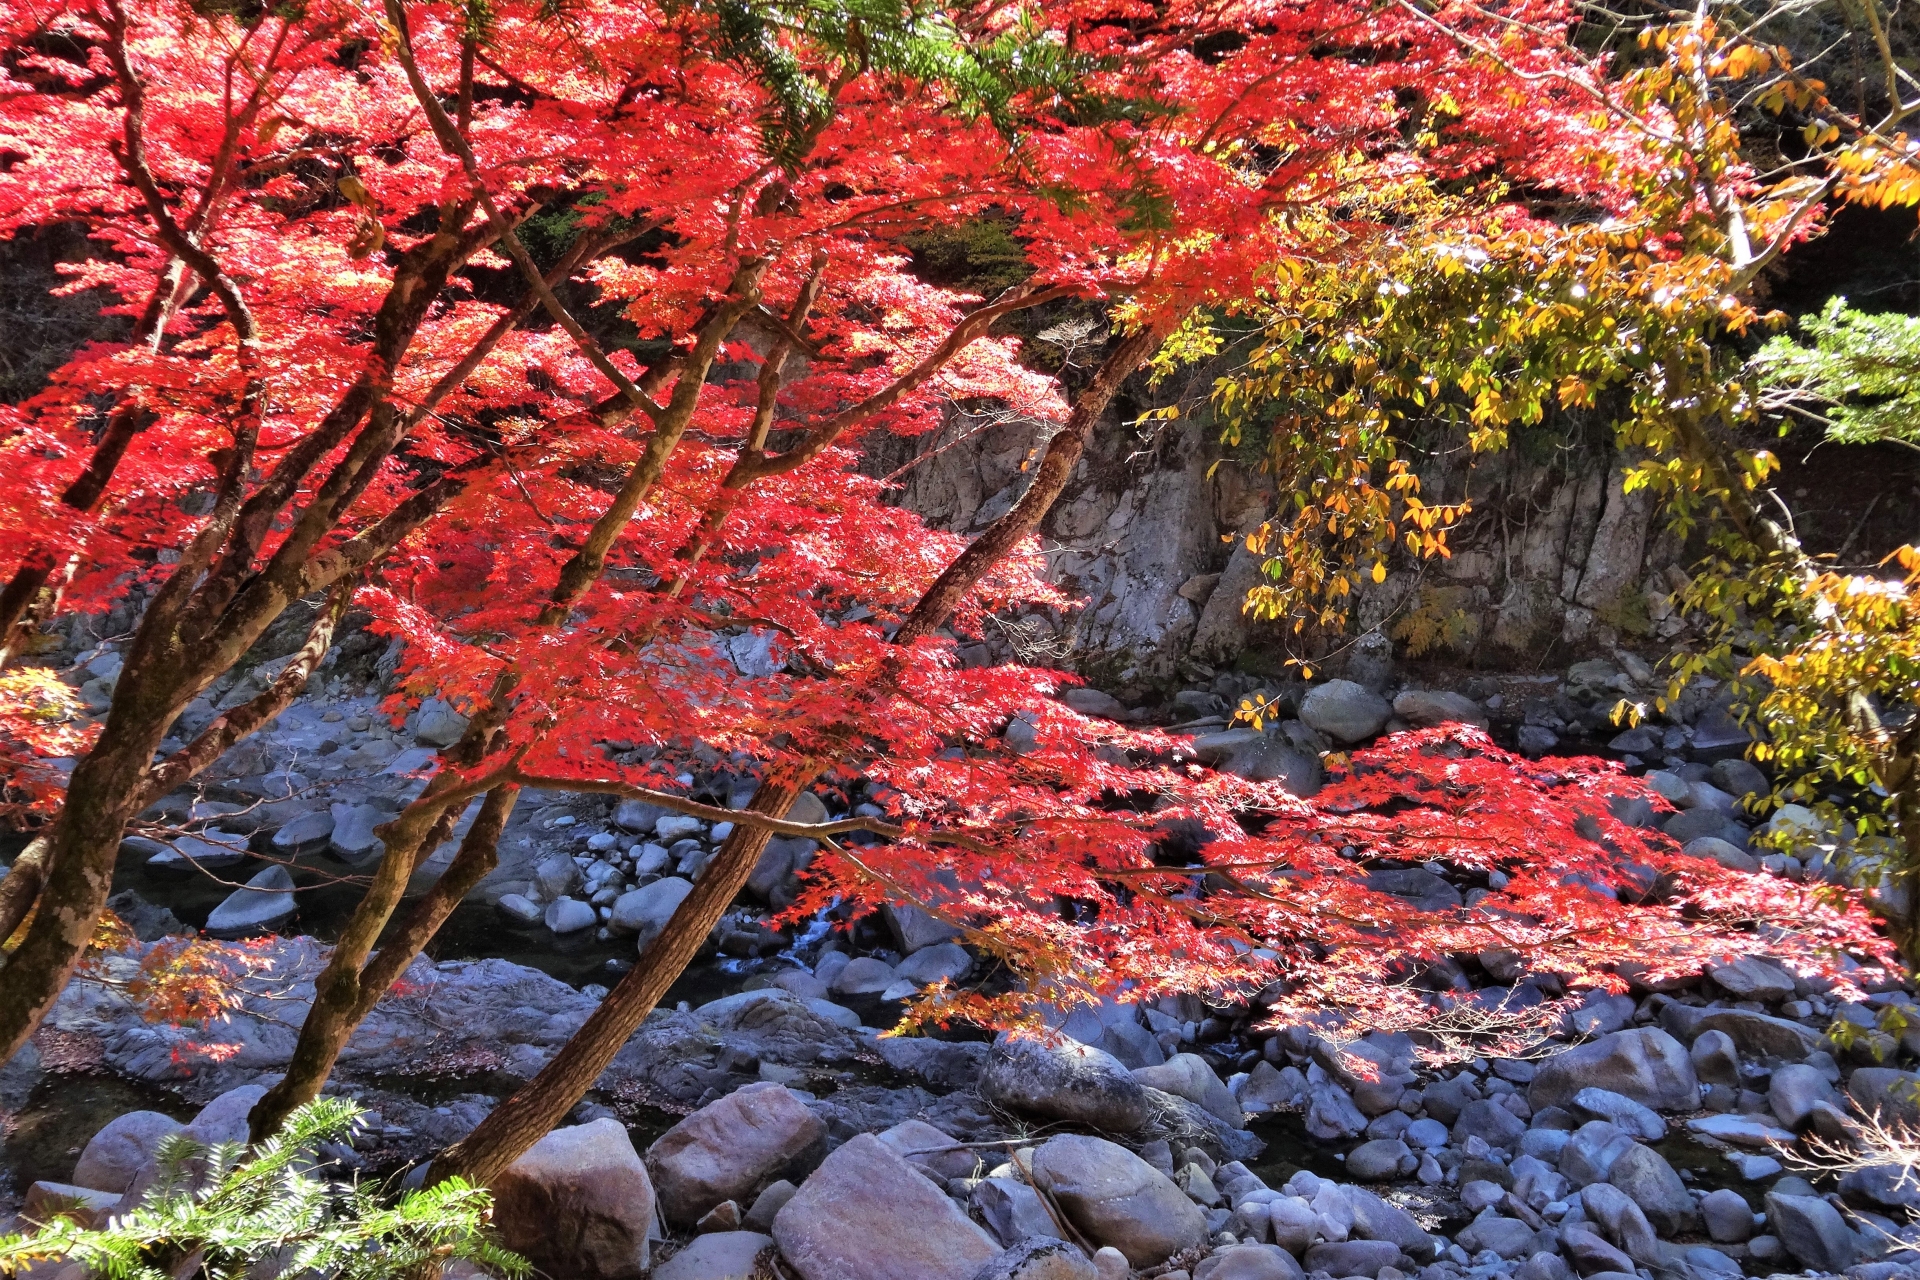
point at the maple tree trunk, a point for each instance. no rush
(80, 853)
(72, 875)
(346, 993)
(513, 1127)
(479, 855)
(350, 984)
(532, 1111)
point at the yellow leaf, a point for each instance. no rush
(355, 190)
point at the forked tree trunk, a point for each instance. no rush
(341, 1005)
(353, 979)
(532, 1111)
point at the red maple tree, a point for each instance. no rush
(553, 338)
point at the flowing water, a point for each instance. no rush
(44, 1138)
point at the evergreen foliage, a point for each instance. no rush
(221, 1211)
(1861, 368)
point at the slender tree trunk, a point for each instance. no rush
(513, 1127)
(337, 991)
(348, 992)
(349, 985)
(109, 787)
(1056, 468)
(536, 1107)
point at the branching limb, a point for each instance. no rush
(250, 717)
(453, 141)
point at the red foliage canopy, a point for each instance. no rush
(326, 225)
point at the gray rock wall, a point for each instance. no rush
(1556, 558)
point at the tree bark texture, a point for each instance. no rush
(536, 1107)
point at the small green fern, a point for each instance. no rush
(217, 1212)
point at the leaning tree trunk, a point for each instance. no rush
(81, 849)
(353, 980)
(534, 1109)
(345, 994)
(513, 1127)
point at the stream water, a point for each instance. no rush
(324, 900)
(44, 1137)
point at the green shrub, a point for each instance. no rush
(220, 1211)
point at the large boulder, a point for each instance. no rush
(85, 1206)
(1353, 1257)
(1591, 1255)
(1276, 757)
(1812, 1231)
(1424, 708)
(1651, 1183)
(1491, 1123)
(116, 1153)
(1742, 1131)
(307, 833)
(1012, 1210)
(578, 1204)
(225, 1118)
(1881, 1186)
(1728, 1218)
(866, 1214)
(1794, 1092)
(1344, 711)
(1187, 1075)
(1725, 852)
(1590, 1153)
(1375, 1219)
(1760, 1035)
(1893, 1096)
(931, 1149)
(1417, 885)
(645, 911)
(439, 725)
(1751, 978)
(1249, 1262)
(1065, 1081)
(1623, 1222)
(265, 901)
(1644, 1064)
(1508, 1237)
(731, 1148)
(1604, 1104)
(1381, 1160)
(1092, 702)
(1115, 1198)
(1331, 1114)
(718, 1255)
(352, 839)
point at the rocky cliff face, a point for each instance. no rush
(1137, 536)
(1556, 559)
